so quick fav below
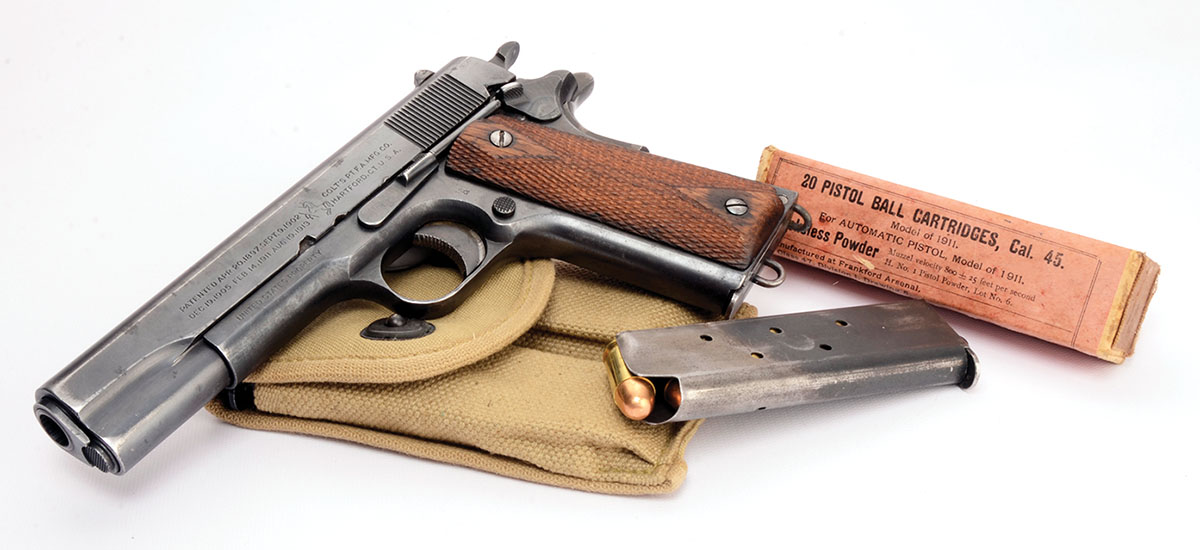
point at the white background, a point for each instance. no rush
(134, 137)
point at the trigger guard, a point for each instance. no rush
(372, 286)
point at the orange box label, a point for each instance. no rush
(1052, 284)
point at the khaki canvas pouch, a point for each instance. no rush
(511, 382)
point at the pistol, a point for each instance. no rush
(475, 165)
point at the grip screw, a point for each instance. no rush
(500, 138)
(736, 206)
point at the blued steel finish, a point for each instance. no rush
(328, 238)
(729, 367)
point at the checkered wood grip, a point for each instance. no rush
(671, 202)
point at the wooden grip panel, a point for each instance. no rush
(671, 202)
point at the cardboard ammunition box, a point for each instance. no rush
(1058, 286)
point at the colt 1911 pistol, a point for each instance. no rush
(476, 164)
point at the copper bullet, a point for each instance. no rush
(672, 394)
(635, 397)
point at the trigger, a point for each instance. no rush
(458, 243)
